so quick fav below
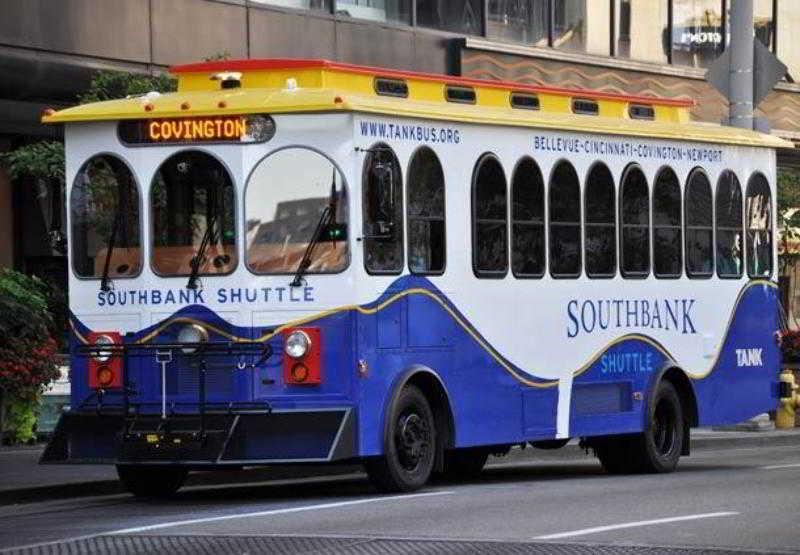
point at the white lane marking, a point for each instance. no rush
(595, 530)
(780, 466)
(273, 512)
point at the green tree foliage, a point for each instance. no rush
(43, 160)
(111, 85)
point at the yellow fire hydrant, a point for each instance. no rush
(789, 401)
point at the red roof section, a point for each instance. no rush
(301, 63)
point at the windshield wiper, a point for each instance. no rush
(327, 217)
(112, 241)
(200, 255)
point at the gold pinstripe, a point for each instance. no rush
(460, 321)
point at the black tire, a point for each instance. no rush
(154, 481)
(409, 446)
(463, 464)
(658, 449)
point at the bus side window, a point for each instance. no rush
(601, 223)
(729, 226)
(635, 215)
(489, 219)
(759, 227)
(699, 226)
(565, 222)
(426, 209)
(527, 220)
(383, 212)
(667, 225)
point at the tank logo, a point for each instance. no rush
(749, 357)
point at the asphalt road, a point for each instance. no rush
(733, 498)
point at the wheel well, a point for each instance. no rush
(431, 386)
(683, 386)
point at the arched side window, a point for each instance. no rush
(759, 227)
(601, 223)
(635, 220)
(489, 219)
(192, 201)
(730, 256)
(527, 220)
(564, 199)
(426, 209)
(699, 226)
(104, 217)
(667, 226)
(382, 211)
(290, 194)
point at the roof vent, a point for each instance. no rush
(641, 111)
(464, 95)
(585, 106)
(391, 87)
(228, 79)
(524, 101)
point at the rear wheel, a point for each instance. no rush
(154, 481)
(656, 450)
(409, 446)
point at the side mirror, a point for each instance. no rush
(382, 178)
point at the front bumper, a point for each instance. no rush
(218, 439)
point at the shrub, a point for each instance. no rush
(28, 352)
(790, 345)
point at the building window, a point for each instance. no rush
(601, 223)
(729, 226)
(320, 5)
(524, 21)
(193, 202)
(426, 209)
(635, 216)
(764, 22)
(458, 16)
(667, 226)
(527, 220)
(288, 195)
(788, 17)
(698, 36)
(384, 11)
(564, 198)
(490, 219)
(104, 217)
(582, 25)
(759, 227)
(383, 211)
(642, 30)
(699, 226)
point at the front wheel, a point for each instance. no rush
(658, 448)
(154, 481)
(409, 445)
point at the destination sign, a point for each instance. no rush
(211, 129)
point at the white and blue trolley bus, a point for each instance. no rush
(301, 261)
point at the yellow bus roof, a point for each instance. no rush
(281, 86)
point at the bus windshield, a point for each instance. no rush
(286, 196)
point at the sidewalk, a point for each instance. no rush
(22, 479)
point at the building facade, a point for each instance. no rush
(50, 50)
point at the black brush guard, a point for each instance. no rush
(108, 427)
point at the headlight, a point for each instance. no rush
(100, 341)
(192, 333)
(297, 344)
